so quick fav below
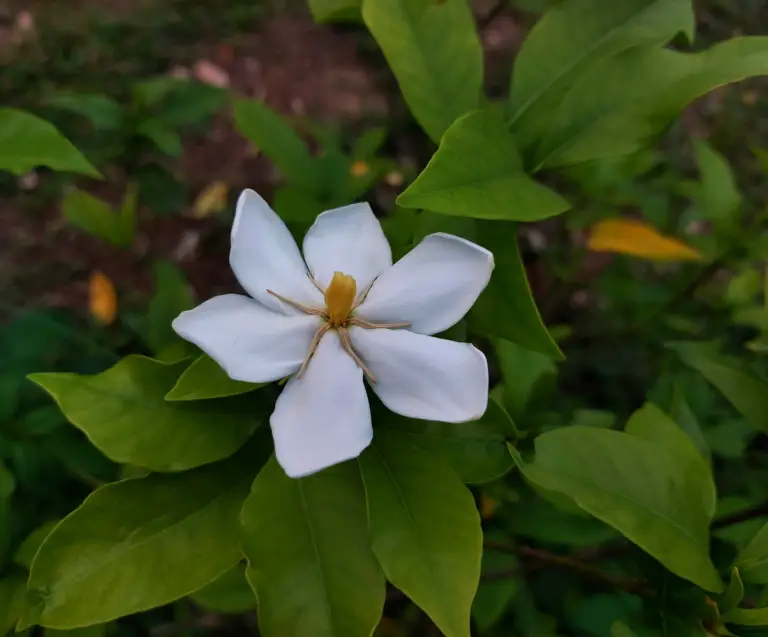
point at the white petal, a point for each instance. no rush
(424, 377)
(250, 342)
(322, 418)
(432, 287)
(348, 240)
(264, 257)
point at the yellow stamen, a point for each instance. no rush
(340, 297)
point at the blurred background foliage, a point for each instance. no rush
(91, 271)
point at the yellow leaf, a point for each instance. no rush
(629, 236)
(212, 200)
(102, 299)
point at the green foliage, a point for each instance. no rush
(335, 10)
(229, 593)
(172, 297)
(204, 379)
(96, 217)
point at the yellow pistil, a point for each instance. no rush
(340, 297)
(341, 301)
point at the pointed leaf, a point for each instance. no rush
(138, 544)
(92, 215)
(26, 142)
(719, 197)
(753, 559)
(335, 10)
(124, 413)
(425, 530)
(506, 308)
(309, 557)
(733, 594)
(633, 237)
(527, 374)
(491, 186)
(435, 54)
(204, 379)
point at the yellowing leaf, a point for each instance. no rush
(629, 236)
(102, 299)
(212, 200)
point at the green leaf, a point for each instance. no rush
(747, 617)
(425, 530)
(493, 185)
(309, 556)
(271, 134)
(527, 375)
(161, 135)
(494, 596)
(753, 559)
(681, 413)
(99, 630)
(638, 487)
(127, 214)
(335, 10)
(204, 379)
(719, 197)
(295, 205)
(124, 413)
(506, 308)
(28, 142)
(104, 113)
(733, 594)
(433, 50)
(624, 101)
(25, 554)
(12, 590)
(172, 297)
(138, 544)
(229, 593)
(94, 216)
(476, 450)
(570, 38)
(745, 391)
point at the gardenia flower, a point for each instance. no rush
(341, 313)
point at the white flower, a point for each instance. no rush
(345, 313)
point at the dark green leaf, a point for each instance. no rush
(493, 185)
(527, 375)
(12, 590)
(506, 308)
(124, 413)
(494, 595)
(425, 530)
(719, 197)
(27, 142)
(435, 54)
(94, 216)
(310, 561)
(295, 205)
(334, 10)
(733, 594)
(229, 593)
(204, 379)
(172, 297)
(753, 559)
(25, 554)
(161, 135)
(747, 617)
(103, 112)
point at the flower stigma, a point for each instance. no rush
(341, 301)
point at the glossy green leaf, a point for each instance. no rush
(747, 617)
(752, 561)
(96, 217)
(571, 37)
(309, 556)
(638, 487)
(124, 413)
(172, 296)
(435, 53)
(719, 196)
(138, 544)
(425, 530)
(26, 142)
(506, 308)
(335, 10)
(272, 135)
(624, 101)
(229, 593)
(476, 450)
(527, 375)
(12, 591)
(204, 379)
(493, 185)
(745, 391)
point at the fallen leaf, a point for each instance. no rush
(212, 74)
(211, 201)
(102, 299)
(629, 236)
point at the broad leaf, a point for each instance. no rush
(476, 450)
(494, 595)
(272, 135)
(124, 413)
(332, 10)
(435, 54)
(527, 374)
(733, 594)
(747, 617)
(104, 113)
(719, 197)
(753, 559)
(26, 142)
(139, 543)
(309, 556)
(25, 554)
(96, 217)
(204, 379)
(637, 487)
(570, 38)
(745, 391)
(12, 591)
(172, 297)
(229, 593)
(425, 530)
(506, 308)
(633, 237)
(493, 185)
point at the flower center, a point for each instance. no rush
(340, 298)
